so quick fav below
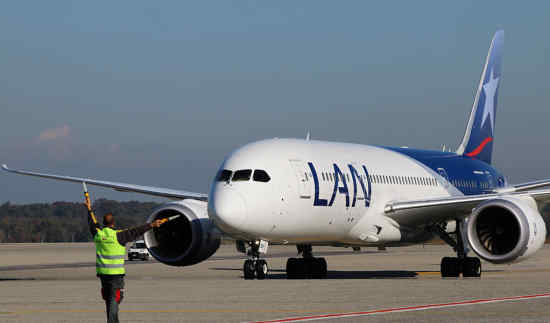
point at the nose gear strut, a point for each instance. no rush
(255, 267)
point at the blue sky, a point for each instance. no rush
(157, 93)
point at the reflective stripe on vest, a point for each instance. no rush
(109, 253)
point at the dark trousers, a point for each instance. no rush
(112, 287)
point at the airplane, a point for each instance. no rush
(310, 193)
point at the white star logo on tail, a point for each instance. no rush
(490, 89)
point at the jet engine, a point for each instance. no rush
(506, 229)
(189, 237)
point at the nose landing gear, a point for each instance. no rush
(255, 267)
(307, 266)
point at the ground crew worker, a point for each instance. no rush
(110, 254)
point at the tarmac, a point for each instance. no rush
(57, 283)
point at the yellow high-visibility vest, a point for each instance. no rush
(110, 254)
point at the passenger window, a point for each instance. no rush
(261, 176)
(242, 175)
(224, 176)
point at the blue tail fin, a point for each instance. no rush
(479, 136)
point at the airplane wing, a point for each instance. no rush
(531, 185)
(421, 212)
(121, 187)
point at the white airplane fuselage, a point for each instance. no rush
(292, 208)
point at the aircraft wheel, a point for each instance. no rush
(302, 268)
(249, 269)
(450, 267)
(261, 269)
(471, 267)
(317, 268)
(323, 264)
(291, 267)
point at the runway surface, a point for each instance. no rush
(57, 283)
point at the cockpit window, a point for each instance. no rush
(261, 176)
(224, 176)
(242, 175)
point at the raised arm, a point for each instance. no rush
(132, 234)
(92, 221)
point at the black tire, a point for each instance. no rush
(130, 259)
(249, 269)
(323, 265)
(450, 267)
(261, 269)
(302, 268)
(291, 268)
(471, 267)
(316, 268)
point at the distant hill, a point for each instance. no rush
(64, 221)
(67, 221)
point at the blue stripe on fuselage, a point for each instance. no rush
(458, 168)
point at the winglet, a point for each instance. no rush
(5, 167)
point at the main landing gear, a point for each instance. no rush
(307, 266)
(461, 264)
(254, 267)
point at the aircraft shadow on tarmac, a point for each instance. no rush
(14, 279)
(341, 274)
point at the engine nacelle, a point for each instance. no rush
(185, 240)
(506, 229)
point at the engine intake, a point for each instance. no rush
(505, 230)
(185, 240)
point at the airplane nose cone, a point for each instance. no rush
(228, 209)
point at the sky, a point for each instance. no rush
(158, 93)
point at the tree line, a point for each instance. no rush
(64, 221)
(68, 221)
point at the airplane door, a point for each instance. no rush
(443, 174)
(491, 180)
(301, 172)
